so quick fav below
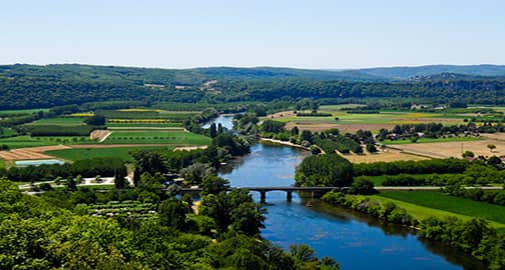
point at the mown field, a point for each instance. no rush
(157, 137)
(27, 141)
(351, 122)
(86, 153)
(433, 201)
(26, 111)
(59, 121)
(433, 140)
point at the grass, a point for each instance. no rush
(85, 153)
(27, 141)
(28, 111)
(157, 137)
(7, 132)
(433, 140)
(384, 117)
(2, 164)
(160, 125)
(434, 202)
(59, 121)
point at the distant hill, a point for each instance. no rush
(403, 73)
(276, 72)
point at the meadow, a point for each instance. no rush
(432, 140)
(433, 201)
(86, 153)
(27, 141)
(25, 111)
(59, 121)
(351, 122)
(157, 137)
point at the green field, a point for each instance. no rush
(434, 201)
(379, 179)
(6, 132)
(384, 117)
(157, 137)
(432, 140)
(79, 154)
(160, 125)
(28, 111)
(27, 141)
(2, 164)
(59, 121)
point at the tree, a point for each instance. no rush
(491, 147)
(248, 218)
(324, 170)
(212, 184)
(96, 120)
(195, 173)
(362, 186)
(213, 130)
(468, 154)
(172, 213)
(302, 252)
(371, 148)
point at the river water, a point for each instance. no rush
(354, 240)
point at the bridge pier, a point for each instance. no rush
(289, 196)
(263, 196)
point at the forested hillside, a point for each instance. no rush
(27, 86)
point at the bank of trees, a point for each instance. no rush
(324, 170)
(450, 165)
(55, 230)
(106, 167)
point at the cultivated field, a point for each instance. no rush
(59, 121)
(386, 155)
(454, 149)
(117, 152)
(30, 153)
(443, 202)
(351, 122)
(157, 137)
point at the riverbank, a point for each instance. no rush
(284, 143)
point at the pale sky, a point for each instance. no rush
(288, 33)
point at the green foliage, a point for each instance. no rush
(451, 165)
(96, 120)
(324, 170)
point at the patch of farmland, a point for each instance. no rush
(454, 149)
(157, 137)
(386, 155)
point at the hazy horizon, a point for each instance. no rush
(319, 34)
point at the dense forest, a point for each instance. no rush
(27, 86)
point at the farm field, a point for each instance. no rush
(6, 132)
(127, 125)
(453, 149)
(351, 122)
(2, 164)
(440, 201)
(433, 140)
(85, 153)
(27, 111)
(59, 121)
(157, 137)
(24, 141)
(387, 155)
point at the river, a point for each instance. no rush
(354, 240)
